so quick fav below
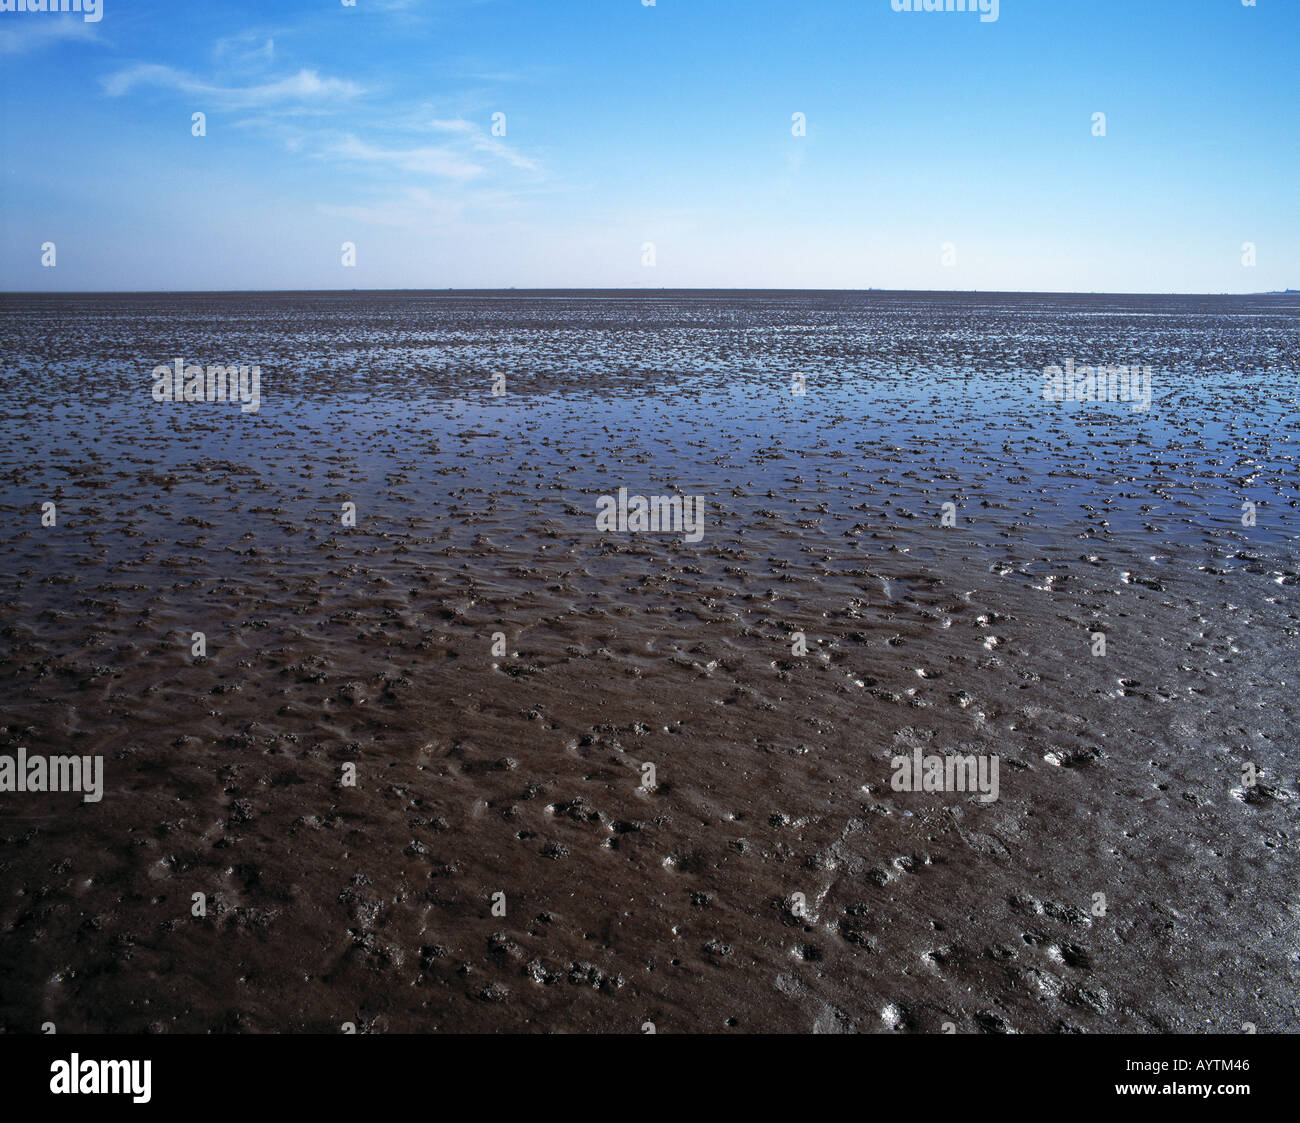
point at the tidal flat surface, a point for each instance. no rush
(1126, 879)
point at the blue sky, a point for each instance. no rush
(671, 124)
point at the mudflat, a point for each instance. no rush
(456, 756)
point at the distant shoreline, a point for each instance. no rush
(632, 292)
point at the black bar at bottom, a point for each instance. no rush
(338, 1072)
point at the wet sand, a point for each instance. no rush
(522, 774)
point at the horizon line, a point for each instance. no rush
(642, 290)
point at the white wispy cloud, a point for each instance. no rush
(19, 36)
(248, 48)
(428, 160)
(453, 125)
(482, 141)
(306, 85)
